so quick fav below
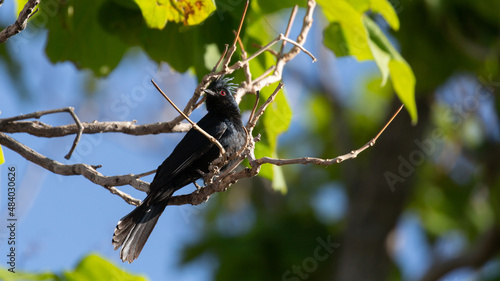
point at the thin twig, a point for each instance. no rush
(251, 124)
(145, 174)
(246, 67)
(265, 74)
(289, 27)
(284, 38)
(327, 162)
(257, 97)
(195, 126)
(387, 124)
(220, 59)
(21, 22)
(280, 37)
(39, 114)
(200, 102)
(273, 52)
(71, 111)
(199, 196)
(232, 49)
(241, 22)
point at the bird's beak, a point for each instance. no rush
(210, 92)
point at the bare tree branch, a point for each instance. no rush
(88, 171)
(40, 129)
(487, 246)
(214, 180)
(39, 114)
(21, 22)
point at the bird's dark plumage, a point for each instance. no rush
(193, 154)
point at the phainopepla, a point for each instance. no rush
(187, 163)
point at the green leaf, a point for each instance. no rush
(262, 149)
(403, 81)
(349, 32)
(95, 268)
(267, 7)
(75, 35)
(6, 275)
(91, 268)
(333, 38)
(278, 183)
(390, 62)
(157, 13)
(385, 9)
(276, 120)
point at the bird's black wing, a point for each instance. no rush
(192, 147)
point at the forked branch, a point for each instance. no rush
(214, 181)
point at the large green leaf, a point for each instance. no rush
(91, 268)
(276, 120)
(75, 35)
(6, 275)
(156, 13)
(352, 32)
(392, 64)
(95, 268)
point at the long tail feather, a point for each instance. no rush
(133, 230)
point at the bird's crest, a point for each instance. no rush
(223, 82)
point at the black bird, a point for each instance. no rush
(189, 160)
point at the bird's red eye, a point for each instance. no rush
(222, 92)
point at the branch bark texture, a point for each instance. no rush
(21, 22)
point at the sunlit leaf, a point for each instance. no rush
(6, 275)
(352, 31)
(2, 159)
(91, 268)
(390, 62)
(403, 81)
(95, 268)
(157, 13)
(384, 8)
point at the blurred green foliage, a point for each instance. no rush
(91, 268)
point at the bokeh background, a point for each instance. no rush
(422, 204)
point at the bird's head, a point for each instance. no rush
(220, 96)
